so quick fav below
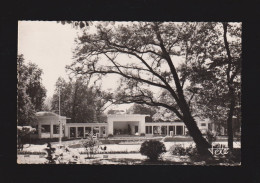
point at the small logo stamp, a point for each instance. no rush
(219, 150)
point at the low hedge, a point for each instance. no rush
(30, 153)
(112, 152)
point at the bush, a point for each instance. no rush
(91, 145)
(152, 149)
(182, 151)
(142, 134)
(178, 150)
(110, 135)
(51, 159)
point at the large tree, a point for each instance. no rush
(35, 89)
(79, 101)
(30, 91)
(214, 70)
(25, 108)
(145, 56)
(233, 58)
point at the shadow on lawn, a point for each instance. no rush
(130, 161)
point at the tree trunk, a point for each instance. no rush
(201, 143)
(229, 119)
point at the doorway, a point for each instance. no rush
(136, 129)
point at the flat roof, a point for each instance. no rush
(85, 124)
(128, 115)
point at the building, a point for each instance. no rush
(48, 124)
(117, 125)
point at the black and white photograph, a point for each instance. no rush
(129, 92)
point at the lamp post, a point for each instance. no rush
(60, 125)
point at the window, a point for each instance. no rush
(56, 129)
(136, 129)
(203, 124)
(164, 130)
(46, 129)
(179, 130)
(148, 129)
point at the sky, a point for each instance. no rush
(49, 45)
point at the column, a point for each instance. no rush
(69, 132)
(175, 129)
(66, 131)
(99, 134)
(152, 130)
(183, 129)
(76, 132)
(91, 130)
(84, 131)
(168, 133)
(160, 130)
(51, 130)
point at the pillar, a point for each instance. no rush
(183, 130)
(168, 133)
(66, 131)
(84, 131)
(51, 130)
(160, 130)
(76, 130)
(91, 130)
(175, 129)
(69, 132)
(99, 135)
(152, 130)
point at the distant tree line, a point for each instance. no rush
(79, 101)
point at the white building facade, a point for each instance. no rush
(117, 125)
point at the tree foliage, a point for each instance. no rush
(76, 24)
(79, 101)
(152, 149)
(30, 91)
(141, 109)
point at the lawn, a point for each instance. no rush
(120, 154)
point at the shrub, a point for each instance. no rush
(152, 149)
(51, 159)
(110, 135)
(178, 150)
(182, 151)
(142, 134)
(91, 146)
